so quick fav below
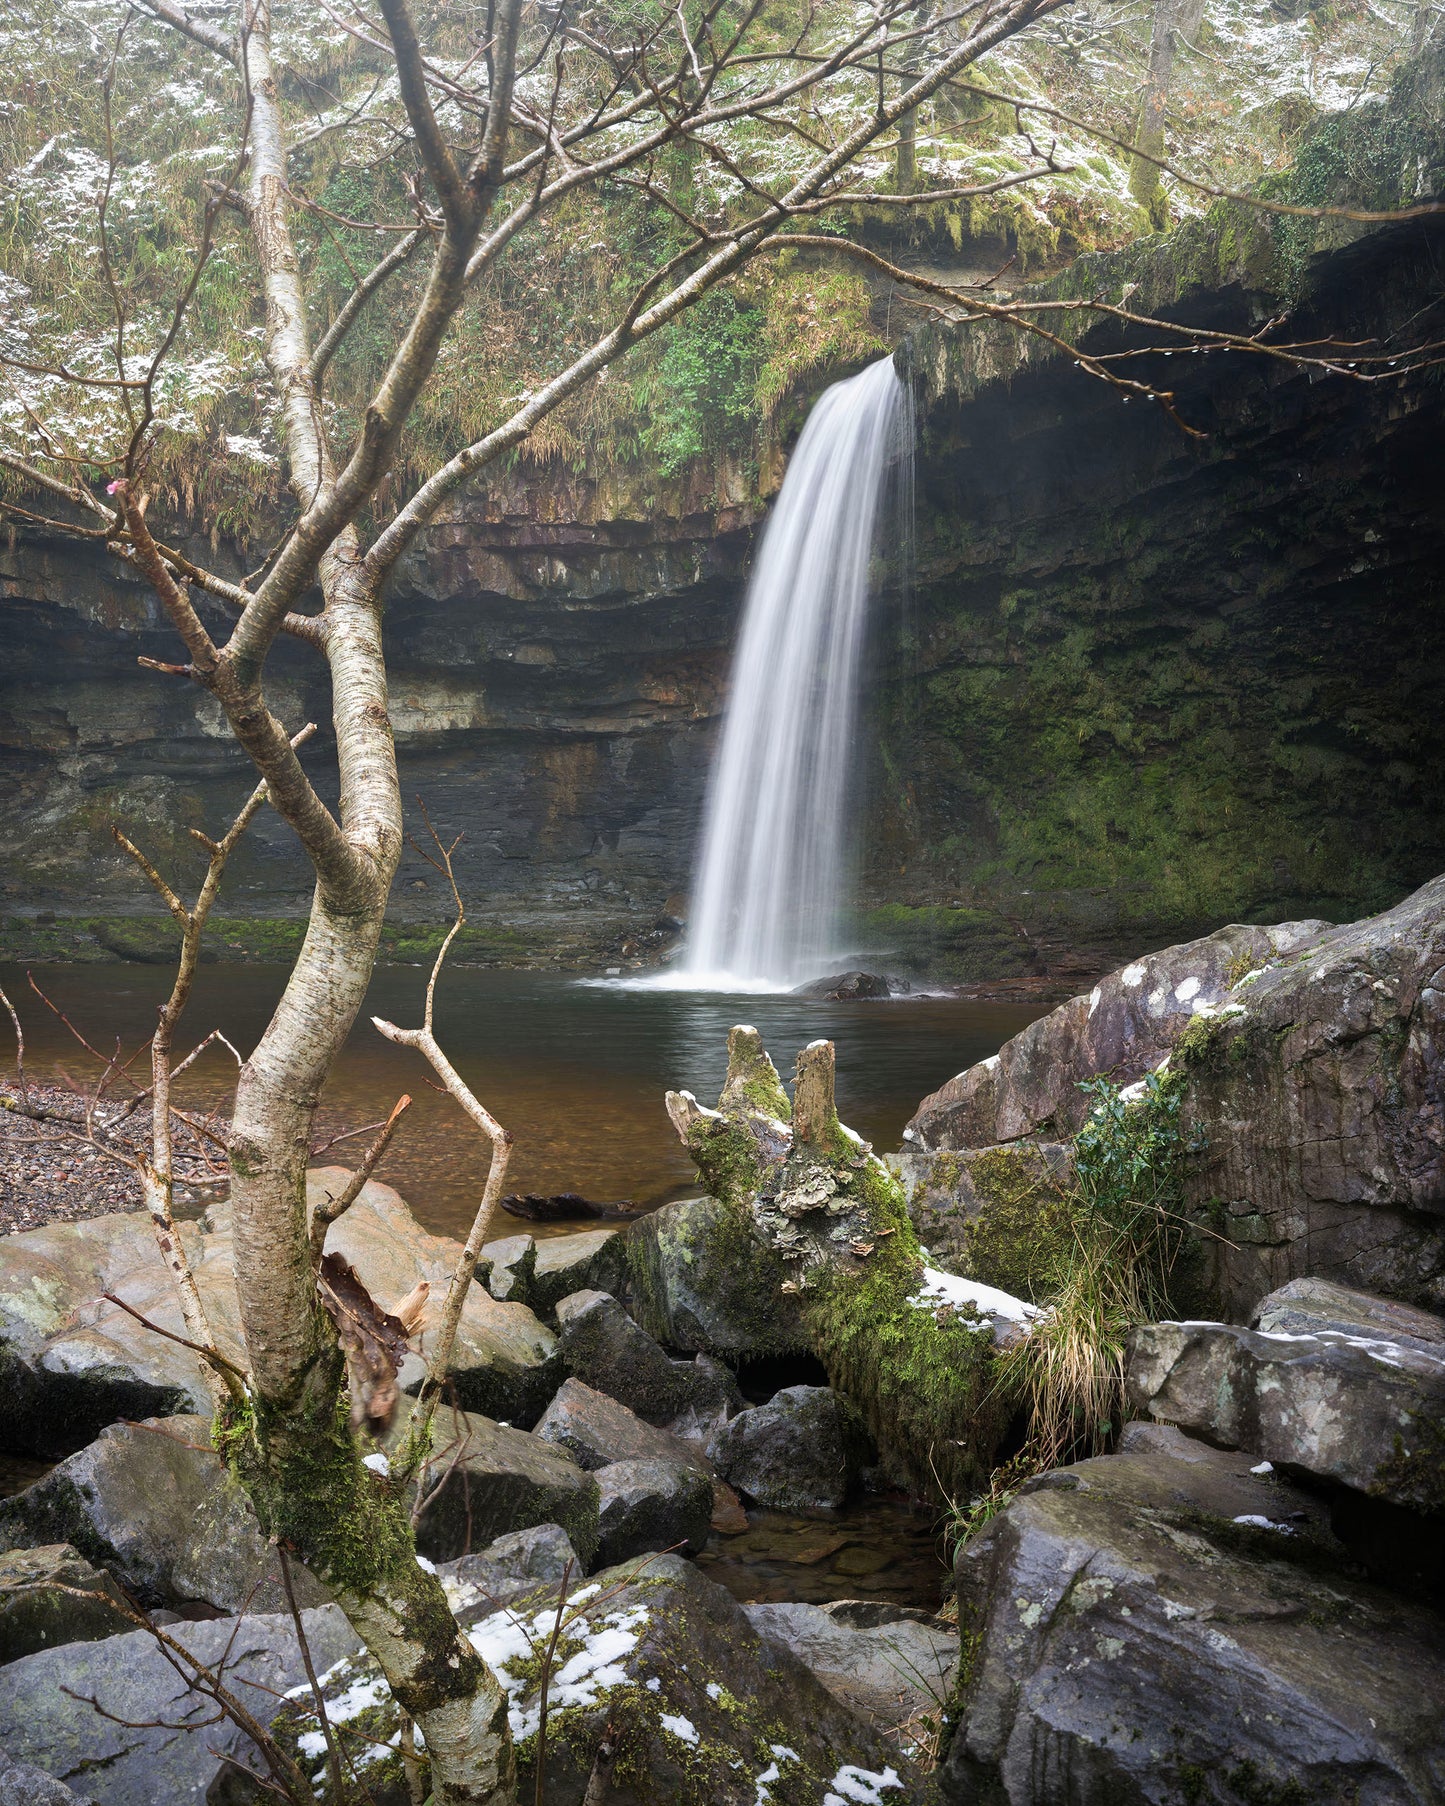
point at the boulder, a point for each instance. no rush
(887, 1672)
(509, 1567)
(1315, 1079)
(153, 1739)
(661, 1690)
(805, 1450)
(1305, 1306)
(649, 1505)
(1125, 1026)
(701, 1282)
(847, 987)
(22, 1784)
(152, 1504)
(71, 1363)
(593, 1258)
(41, 1607)
(994, 1214)
(599, 1344)
(1348, 1404)
(1164, 1626)
(596, 1430)
(484, 1479)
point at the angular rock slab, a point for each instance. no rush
(1306, 1306)
(22, 1784)
(483, 1480)
(1140, 1628)
(596, 1431)
(151, 1503)
(599, 1344)
(1362, 1410)
(648, 1506)
(885, 1673)
(592, 1258)
(662, 1692)
(106, 1763)
(40, 1607)
(512, 1565)
(71, 1363)
(805, 1450)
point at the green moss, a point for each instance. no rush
(1416, 1470)
(304, 1475)
(1015, 1240)
(925, 1381)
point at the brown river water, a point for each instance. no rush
(576, 1070)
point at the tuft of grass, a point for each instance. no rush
(1112, 1270)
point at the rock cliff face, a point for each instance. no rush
(557, 656)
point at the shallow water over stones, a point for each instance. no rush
(876, 1549)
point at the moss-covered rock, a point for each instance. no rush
(660, 1693)
(995, 1214)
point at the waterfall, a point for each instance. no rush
(768, 890)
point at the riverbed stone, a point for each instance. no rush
(661, 1691)
(596, 1431)
(649, 1505)
(887, 1671)
(701, 1282)
(168, 1749)
(805, 1450)
(152, 1504)
(1163, 1625)
(71, 1362)
(41, 1606)
(484, 1479)
(1361, 1410)
(995, 1214)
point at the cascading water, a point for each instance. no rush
(769, 885)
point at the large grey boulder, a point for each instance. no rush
(599, 1344)
(1163, 1626)
(1315, 1078)
(1124, 1026)
(992, 1214)
(805, 1450)
(153, 1739)
(661, 1690)
(648, 1505)
(71, 1362)
(699, 1281)
(1346, 1403)
(886, 1672)
(42, 1602)
(596, 1431)
(483, 1479)
(152, 1504)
